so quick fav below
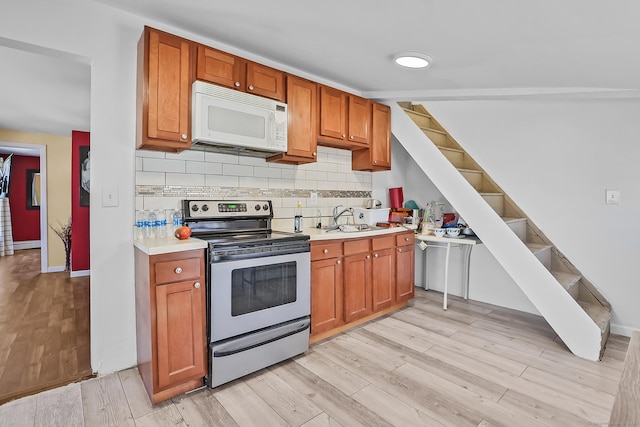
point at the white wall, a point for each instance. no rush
(555, 159)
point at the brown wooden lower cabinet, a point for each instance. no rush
(171, 322)
(355, 280)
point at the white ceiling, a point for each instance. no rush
(482, 49)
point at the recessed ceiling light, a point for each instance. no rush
(413, 59)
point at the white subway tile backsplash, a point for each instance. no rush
(252, 182)
(187, 180)
(204, 167)
(187, 155)
(316, 176)
(221, 158)
(238, 170)
(150, 178)
(162, 165)
(306, 185)
(337, 177)
(138, 163)
(264, 172)
(292, 173)
(149, 153)
(221, 181)
(252, 161)
(281, 183)
(346, 186)
(327, 167)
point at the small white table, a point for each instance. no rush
(464, 242)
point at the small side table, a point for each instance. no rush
(466, 243)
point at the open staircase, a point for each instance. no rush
(572, 305)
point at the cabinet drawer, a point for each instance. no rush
(356, 246)
(325, 250)
(177, 270)
(384, 242)
(405, 239)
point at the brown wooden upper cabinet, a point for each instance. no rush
(344, 120)
(378, 156)
(302, 116)
(163, 95)
(238, 73)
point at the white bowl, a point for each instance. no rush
(454, 231)
(439, 232)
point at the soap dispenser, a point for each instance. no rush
(297, 220)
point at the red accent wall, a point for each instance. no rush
(25, 222)
(79, 214)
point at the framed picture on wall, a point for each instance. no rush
(5, 175)
(85, 163)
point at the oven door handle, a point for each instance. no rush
(221, 255)
(238, 345)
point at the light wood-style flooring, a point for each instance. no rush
(44, 327)
(473, 365)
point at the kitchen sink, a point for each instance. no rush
(352, 228)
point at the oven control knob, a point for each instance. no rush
(265, 207)
(257, 207)
(195, 208)
(205, 208)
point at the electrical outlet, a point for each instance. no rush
(314, 198)
(612, 197)
(109, 196)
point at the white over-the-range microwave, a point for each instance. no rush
(227, 120)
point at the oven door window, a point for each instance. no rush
(262, 287)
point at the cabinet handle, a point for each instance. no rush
(399, 250)
(375, 255)
(344, 136)
(250, 87)
(326, 251)
(184, 136)
(178, 270)
(368, 257)
(237, 84)
(338, 262)
(314, 154)
(351, 137)
(375, 161)
(196, 285)
(406, 239)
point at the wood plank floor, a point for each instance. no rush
(473, 365)
(44, 327)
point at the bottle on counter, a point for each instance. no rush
(297, 219)
(140, 220)
(150, 225)
(161, 221)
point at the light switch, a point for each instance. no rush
(314, 198)
(109, 196)
(612, 197)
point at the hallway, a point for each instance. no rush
(44, 327)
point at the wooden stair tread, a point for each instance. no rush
(453, 150)
(470, 170)
(536, 248)
(507, 219)
(486, 193)
(600, 315)
(417, 113)
(567, 280)
(433, 130)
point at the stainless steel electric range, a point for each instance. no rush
(258, 286)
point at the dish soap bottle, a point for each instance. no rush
(297, 220)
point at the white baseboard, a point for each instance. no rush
(27, 244)
(56, 269)
(626, 331)
(80, 273)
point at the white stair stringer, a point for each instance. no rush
(572, 324)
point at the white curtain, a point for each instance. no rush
(6, 233)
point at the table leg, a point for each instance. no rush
(466, 256)
(426, 268)
(446, 276)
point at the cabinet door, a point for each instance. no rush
(359, 121)
(378, 156)
(180, 326)
(383, 279)
(265, 81)
(220, 68)
(357, 286)
(167, 101)
(302, 117)
(405, 266)
(326, 295)
(333, 114)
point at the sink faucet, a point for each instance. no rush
(337, 215)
